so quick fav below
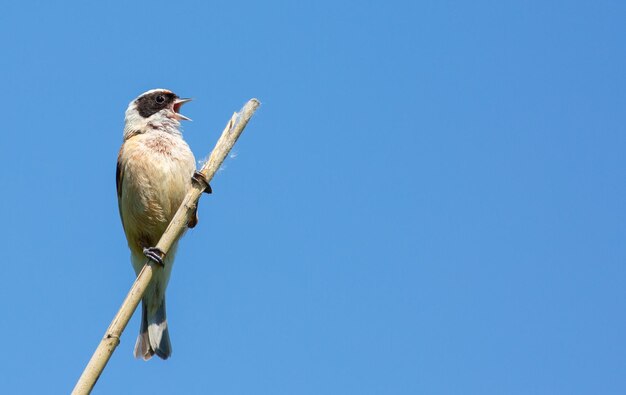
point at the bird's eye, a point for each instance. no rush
(160, 99)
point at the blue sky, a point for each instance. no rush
(429, 201)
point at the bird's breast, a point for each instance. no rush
(157, 175)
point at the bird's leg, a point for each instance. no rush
(155, 254)
(193, 219)
(200, 179)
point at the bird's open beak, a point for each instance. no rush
(178, 103)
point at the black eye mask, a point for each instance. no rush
(148, 105)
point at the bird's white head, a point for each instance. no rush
(156, 109)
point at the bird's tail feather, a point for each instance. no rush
(154, 337)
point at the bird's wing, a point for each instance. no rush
(119, 178)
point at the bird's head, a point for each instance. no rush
(154, 109)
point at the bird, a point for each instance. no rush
(155, 170)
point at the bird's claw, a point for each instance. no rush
(200, 179)
(155, 254)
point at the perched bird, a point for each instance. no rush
(154, 172)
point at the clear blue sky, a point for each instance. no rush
(431, 199)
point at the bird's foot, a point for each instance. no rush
(200, 179)
(155, 254)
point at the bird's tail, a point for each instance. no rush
(154, 337)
